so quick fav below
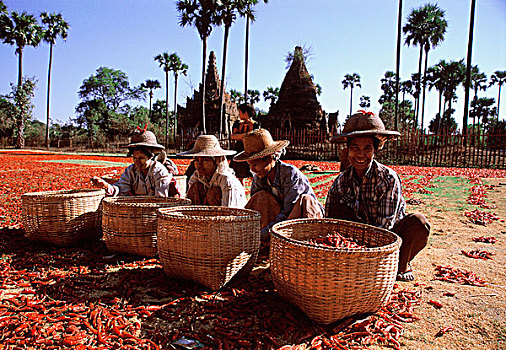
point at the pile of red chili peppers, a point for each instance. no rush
(480, 217)
(478, 254)
(482, 239)
(336, 241)
(456, 275)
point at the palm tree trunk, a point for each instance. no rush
(175, 104)
(397, 64)
(351, 99)
(418, 84)
(48, 92)
(423, 94)
(246, 57)
(150, 98)
(20, 141)
(204, 56)
(467, 83)
(498, 102)
(166, 108)
(223, 68)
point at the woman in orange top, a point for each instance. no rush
(240, 128)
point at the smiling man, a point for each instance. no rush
(371, 193)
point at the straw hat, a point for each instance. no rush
(143, 138)
(365, 123)
(259, 143)
(207, 146)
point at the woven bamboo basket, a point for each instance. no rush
(207, 244)
(327, 283)
(180, 179)
(129, 223)
(63, 218)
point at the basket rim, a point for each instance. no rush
(81, 192)
(394, 245)
(172, 212)
(144, 201)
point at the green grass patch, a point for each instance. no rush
(452, 193)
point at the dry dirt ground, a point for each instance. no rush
(477, 314)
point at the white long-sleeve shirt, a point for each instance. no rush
(133, 183)
(232, 191)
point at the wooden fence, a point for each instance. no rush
(413, 148)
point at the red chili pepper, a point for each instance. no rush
(444, 330)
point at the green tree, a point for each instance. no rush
(164, 62)
(252, 97)
(271, 94)
(151, 85)
(104, 96)
(425, 28)
(248, 12)
(482, 109)
(7, 116)
(478, 81)
(365, 102)
(236, 96)
(55, 27)
(22, 95)
(499, 77)
(351, 81)
(388, 87)
(176, 66)
(202, 15)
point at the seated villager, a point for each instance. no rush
(213, 182)
(279, 191)
(371, 193)
(146, 176)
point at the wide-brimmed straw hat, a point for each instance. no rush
(258, 144)
(365, 123)
(207, 146)
(143, 138)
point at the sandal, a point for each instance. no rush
(406, 276)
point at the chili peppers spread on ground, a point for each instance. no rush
(481, 217)
(456, 275)
(478, 254)
(482, 239)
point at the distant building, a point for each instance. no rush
(190, 117)
(297, 106)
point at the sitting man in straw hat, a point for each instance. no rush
(146, 176)
(279, 191)
(213, 182)
(371, 193)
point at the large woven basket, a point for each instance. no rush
(129, 223)
(180, 179)
(207, 244)
(327, 283)
(62, 218)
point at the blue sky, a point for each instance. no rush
(344, 36)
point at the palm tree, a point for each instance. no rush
(351, 80)
(452, 76)
(426, 28)
(151, 85)
(499, 77)
(20, 30)
(248, 12)
(202, 15)
(164, 62)
(435, 80)
(478, 81)
(226, 15)
(365, 102)
(176, 66)
(56, 27)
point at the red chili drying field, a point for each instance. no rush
(89, 298)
